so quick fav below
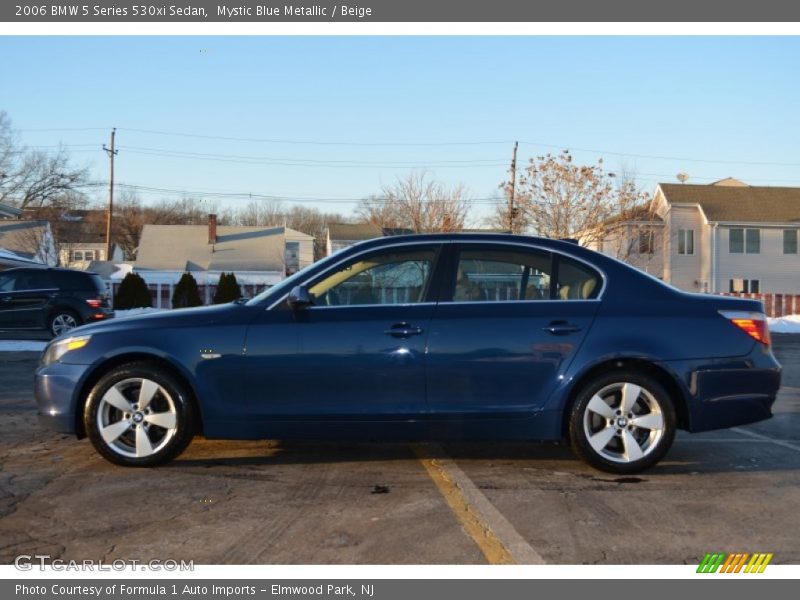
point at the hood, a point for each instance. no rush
(183, 317)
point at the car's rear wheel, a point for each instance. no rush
(62, 320)
(622, 422)
(139, 415)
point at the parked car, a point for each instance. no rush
(57, 300)
(457, 336)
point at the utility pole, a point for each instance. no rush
(511, 208)
(111, 154)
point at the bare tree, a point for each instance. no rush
(558, 198)
(34, 178)
(419, 204)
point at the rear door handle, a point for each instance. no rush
(403, 330)
(561, 328)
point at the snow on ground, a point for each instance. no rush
(787, 324)
(21, 346)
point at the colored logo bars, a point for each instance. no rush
(734, 563)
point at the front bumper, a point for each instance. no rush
(55, 388)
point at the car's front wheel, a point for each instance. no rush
(622, 422)
(139, 415)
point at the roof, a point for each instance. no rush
(9, 212)
(186, 248)
(104, 268)
(737, 203)
(23, 238)
(352, 232)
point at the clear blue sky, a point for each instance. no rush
(708, 98)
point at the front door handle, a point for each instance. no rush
(403, 330)
(561, 328)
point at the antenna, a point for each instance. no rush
(682, 177)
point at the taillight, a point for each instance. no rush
(94, 303)
(752, 323)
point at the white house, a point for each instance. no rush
(258, 256)
(722, 237)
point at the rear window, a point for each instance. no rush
(576, 281)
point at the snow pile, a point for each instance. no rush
(787, 324)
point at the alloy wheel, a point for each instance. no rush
(63, 323)
(137, 417)
(624, 422)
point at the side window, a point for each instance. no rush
(31, 280)
(396, 277)
(7, 282)
(497, 275)
(576, 281)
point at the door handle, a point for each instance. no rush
(561, 328)
(403, 330)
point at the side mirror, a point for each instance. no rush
(299, 298)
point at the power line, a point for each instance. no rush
(423, 144)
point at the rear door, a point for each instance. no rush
(506, 328)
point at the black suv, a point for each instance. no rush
(53, 299)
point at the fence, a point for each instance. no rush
(775, 305)
(161, 293)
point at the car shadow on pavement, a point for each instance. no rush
(685, 458)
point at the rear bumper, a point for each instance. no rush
(55, 390)
(725, 393)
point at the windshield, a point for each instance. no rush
(285, 286)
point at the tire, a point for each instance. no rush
(622, 442)
(139, 415)
(63, 320)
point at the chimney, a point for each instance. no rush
(212, 229)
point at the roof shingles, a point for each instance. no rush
(741, 204)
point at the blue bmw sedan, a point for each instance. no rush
(444, 336)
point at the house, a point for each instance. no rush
(10, 260)
(726, 236)
(343, 235)
(30, 240)
(81, 239)
(259, 256)
(80, 235)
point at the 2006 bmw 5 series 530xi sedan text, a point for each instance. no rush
(445, 336)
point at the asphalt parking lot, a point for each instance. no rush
(271, 502)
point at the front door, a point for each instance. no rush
(23, 305)
(362, 342)
(506, 330)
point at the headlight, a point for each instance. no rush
(59, 348)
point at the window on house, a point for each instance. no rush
(685, 241)
(646, 242)
(77, 255)
(736, 241)
(746, 241)
(790, 241)
(752, 241)
(88, 255)
(746, 286)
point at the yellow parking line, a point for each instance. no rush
(490, 545)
